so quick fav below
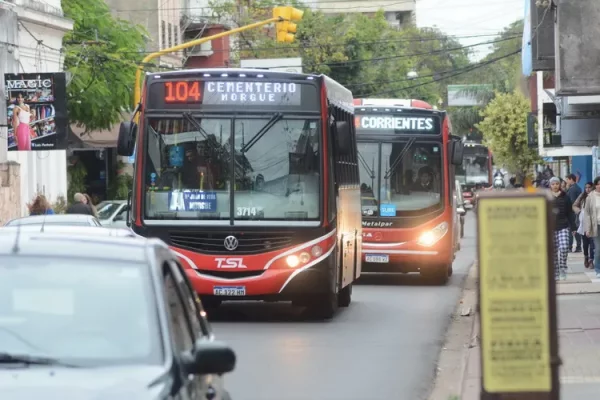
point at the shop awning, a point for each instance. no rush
(96, 139)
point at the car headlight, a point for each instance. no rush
(432, 236)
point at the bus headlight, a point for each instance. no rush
(316, 251)
(292, 261)
(304, 257)
(431, 237)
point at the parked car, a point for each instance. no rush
(56, 219)
(112, 213)
(101, 313)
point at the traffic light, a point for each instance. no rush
(285, 28)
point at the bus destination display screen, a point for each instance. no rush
(374, 123)
(191, 93)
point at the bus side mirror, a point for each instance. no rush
(456, 152)
(126, 140)
(343, 137)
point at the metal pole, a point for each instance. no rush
(150, 57)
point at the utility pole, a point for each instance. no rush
(8, 64)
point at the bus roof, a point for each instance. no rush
(336, 93)
(405, 103)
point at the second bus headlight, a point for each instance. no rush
(432, 236)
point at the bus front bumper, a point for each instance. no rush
(404, 259)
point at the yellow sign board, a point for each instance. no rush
(514, 304)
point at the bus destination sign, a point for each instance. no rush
(398, 124)
(194, 93)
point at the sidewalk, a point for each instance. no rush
(579, 337)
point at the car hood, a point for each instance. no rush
(115, 383)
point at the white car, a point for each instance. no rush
(56, 219)
(113, 213)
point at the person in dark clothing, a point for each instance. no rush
(79, 206)
(564, 225)
(574, 191)
(586, 242)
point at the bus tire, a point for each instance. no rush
(438, 276)
(345, 296)
(324, 306)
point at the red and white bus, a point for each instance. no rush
(407, 157)
(251, 177)
(476, 171)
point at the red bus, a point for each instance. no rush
(476, 171)
(251, 177)
(407, 158)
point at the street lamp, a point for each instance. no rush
(412, 74)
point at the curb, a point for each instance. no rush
(472, 280)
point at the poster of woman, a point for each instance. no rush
(36, 111)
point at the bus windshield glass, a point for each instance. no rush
(475, 168)
(401, 177)
(259, 168)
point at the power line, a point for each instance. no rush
(468, 69)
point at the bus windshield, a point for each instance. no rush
(475, 168)
(401, 177)
(260, 168)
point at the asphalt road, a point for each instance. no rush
(384, 346)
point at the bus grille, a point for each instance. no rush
(213, 243)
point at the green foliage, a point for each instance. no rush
(120, 185)
(361, 52)
(504, 129)
(76, 175)
(503, 75)
(101, 56)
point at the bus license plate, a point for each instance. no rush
(378, 258)
(229, 290)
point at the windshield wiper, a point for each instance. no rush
(274, 119)
(399, 158)
(8, 358)
(188, 117)
(366, 166)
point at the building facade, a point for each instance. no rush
(34, 46)
(399, 14)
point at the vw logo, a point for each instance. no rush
(231, 243)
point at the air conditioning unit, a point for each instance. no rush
(202, 50)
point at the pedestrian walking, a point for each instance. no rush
(40, 206)
(564, 225)
(587, 242)
(592, 220)
(574, 191)
(79, 206)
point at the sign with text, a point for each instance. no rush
(398, 124)
(189, 94)
(37, 111)
(192, 200)
(517, 296)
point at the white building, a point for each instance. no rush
(398, 13)
(41, 26)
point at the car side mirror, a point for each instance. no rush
(209, 357)
(461, 211)
(343, 137)
(126, 140)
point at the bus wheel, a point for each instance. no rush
(345, 296)
(439, 275)
(324, 306)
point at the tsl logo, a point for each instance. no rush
(230, 263)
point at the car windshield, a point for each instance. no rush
(475, 168)
(403, 177)
(80, 311)
(106, 209)
(274, 173)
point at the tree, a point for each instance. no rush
(101, 56)
(361, 52)
(504, 129)
(503, 75)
